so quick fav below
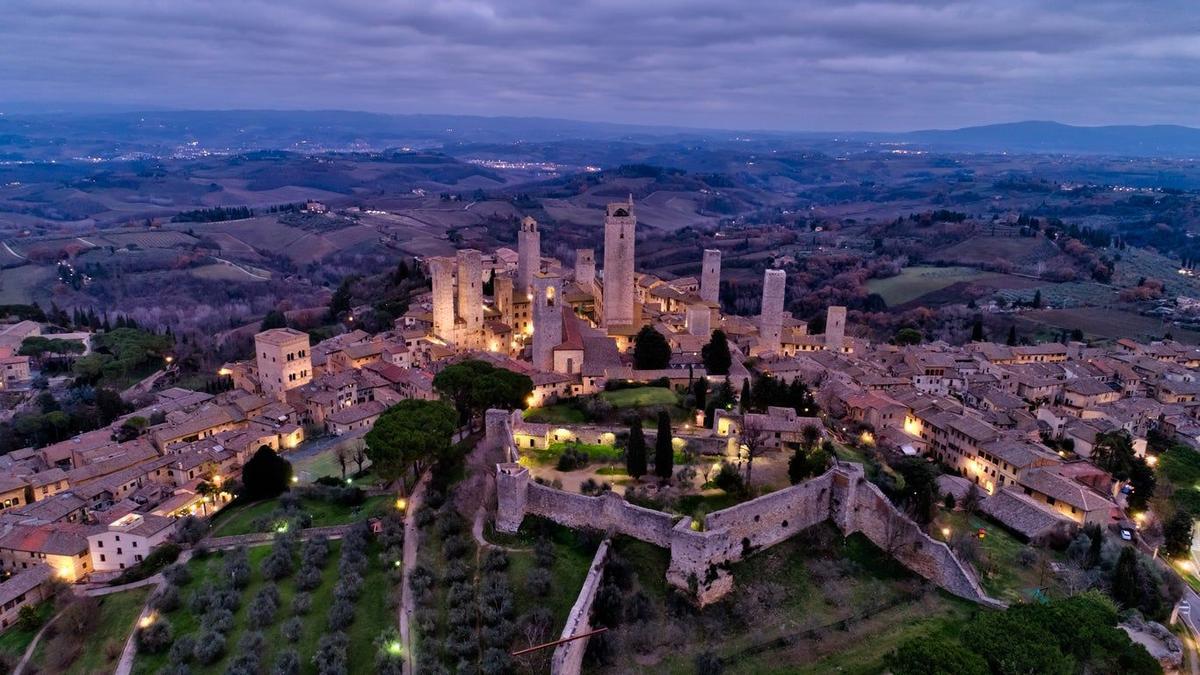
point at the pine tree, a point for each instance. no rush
(1012, 336)
(977, 330)
(1126, 586)
(664, 453)
(635, 451)
(745, 399)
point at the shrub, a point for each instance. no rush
(543, 552)
(538, 581)
(496, 662)
(263, 606)
(166, 599)
(729, 479)
(154, 638)
(457, 570)
(210, 646)
(301, 603)
(286, 663)
(292, 629)
(341, 614)
(277, 565)
(572, 459)
(190, 530)
(237, 568)
(182, 648)
(219, 619)
(495, 561)
(315, 552)
(456, 547)
(177, 574)
(308, 578)
(330, 657)
(388, 659)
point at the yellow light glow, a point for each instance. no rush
(867, 438)
(530, 401)
(224, 372)
(945, 533)
(401, 504)
(148, 620)
(1151, 460)
(295, 479)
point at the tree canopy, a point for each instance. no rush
(265, 475)
(651, 351)
(473, 386)
(410, 433)
(717, 358)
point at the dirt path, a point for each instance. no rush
(410, 561)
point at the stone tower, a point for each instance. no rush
(835, 328)
(710, 276)
(585, 267)
(470, 292)
(502, 292)
(547, 320)
(529, 253)
(620, 228)
(283, 360)
(699, 320)
(441, 271)
(770, 318)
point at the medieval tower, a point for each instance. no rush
(620, 228)
(470, 291)
(547, 320)
(835, 328)
(585, 267)
(441, 270)
(770, 318)
(710, 276)
(529, 254)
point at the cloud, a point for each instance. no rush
(792, 64)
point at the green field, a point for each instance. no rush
(1108, 323)
(640, 397)
(1000, 572)
(14, 641)
(598, 453)
(115, 620)
(1180, 467)
(559, 413)
(256, 516)
(25, 284)
(913, 282)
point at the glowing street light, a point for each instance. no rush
(945, 533)
(401, 504)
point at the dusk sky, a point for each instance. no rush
(777, 64)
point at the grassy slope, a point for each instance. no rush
(240, 519)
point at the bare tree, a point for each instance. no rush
(754, 442)
(342, 454)
(360, 454)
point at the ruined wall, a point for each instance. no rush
(568, 656)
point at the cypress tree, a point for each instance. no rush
(745, 399)
(664, 454)
(635, 451)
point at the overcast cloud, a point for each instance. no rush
(780, 64)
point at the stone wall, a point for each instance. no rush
(699, 551)
(568, 656)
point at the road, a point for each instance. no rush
(1190, 645)
(410, 561)
(9, 249)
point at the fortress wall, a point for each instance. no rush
(568, 656)
(774, 517)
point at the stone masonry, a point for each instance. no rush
(710, 276)
(529, 254)
(842, 494)
(547, 320)
(620, 230)
(770, 316)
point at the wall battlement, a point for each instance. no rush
(699, 554)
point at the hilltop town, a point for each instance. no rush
(757, 432)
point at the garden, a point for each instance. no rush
(316, 506)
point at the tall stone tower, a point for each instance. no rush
(699, 320)
(529, 253)
(502, 292)
(547, 320)
(441, 271)
(835, 328)
(770, 318)
(710, 276)
(470, 291)
(585, 267)
(283, 360)
(620, 228)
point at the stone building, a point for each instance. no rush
(283, 360)
(547, 320)
(710, 276)
(770, 317)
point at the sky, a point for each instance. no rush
(732, 64)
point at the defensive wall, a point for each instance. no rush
(568, 656)
(700, 552)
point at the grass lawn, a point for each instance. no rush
(549, 455)
(640, 397)
(1001, 575)
(372, 614)
(573, 557)
(559, 413)
(1180, 466)
(255, 516)
(14, 641)
(118, 613)
(325, 463)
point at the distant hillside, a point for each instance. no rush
(107, 135)
(1052, 137)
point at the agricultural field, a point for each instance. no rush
(160, 239)
(224, 272)
(1107, 324)
(1023, 252)
(815, 603)
(288, 600)
(915, 282)
(25, 284)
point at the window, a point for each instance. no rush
(102, 558)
